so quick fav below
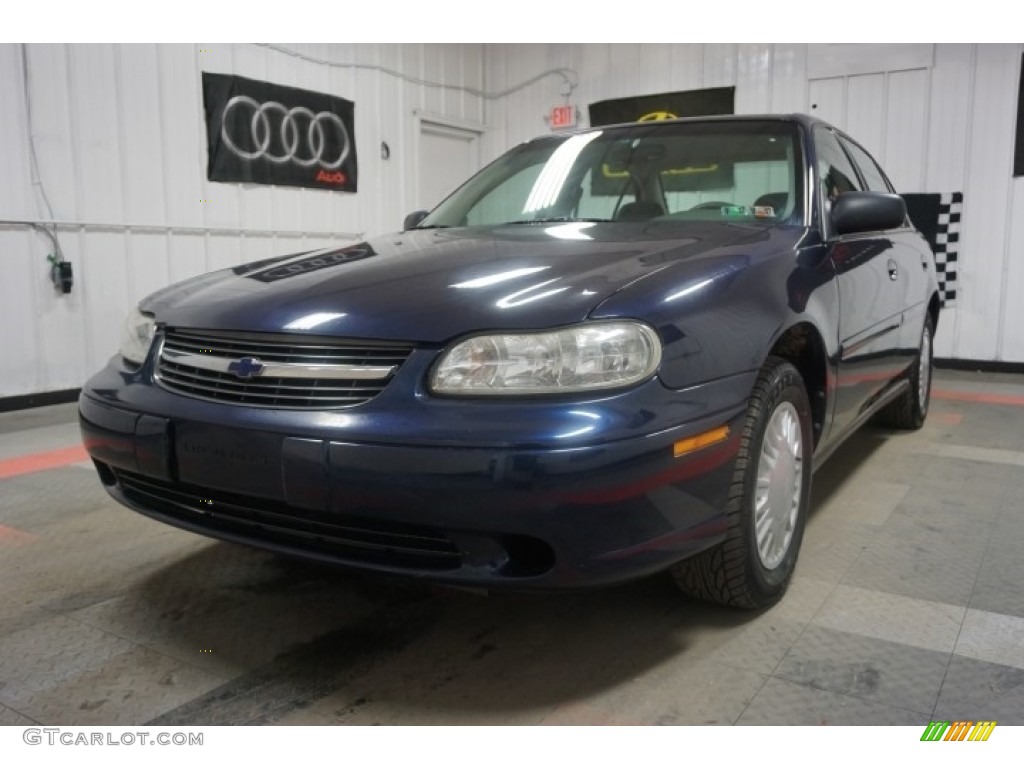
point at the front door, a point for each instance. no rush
(870, 293)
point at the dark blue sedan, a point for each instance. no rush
(608, 354)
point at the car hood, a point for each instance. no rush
(433, 285)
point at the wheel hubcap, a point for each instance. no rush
(924, 370)
(779, 485)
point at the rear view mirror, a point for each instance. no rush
(413, 219)
(626, 155)
(867, 212)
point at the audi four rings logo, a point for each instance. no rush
(304, 137)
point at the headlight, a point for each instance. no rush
(601, 355)
(138, 335)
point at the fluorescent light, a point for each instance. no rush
(500, 277)
(552, 177)
(572, 230)
(513, 300)
(690, 289)
(313, 320)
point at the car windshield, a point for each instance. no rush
(733, 171)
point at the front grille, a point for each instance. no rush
(338, 536)
(313, 369)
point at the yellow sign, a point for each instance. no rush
(652, 116)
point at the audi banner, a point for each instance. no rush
(261, 133)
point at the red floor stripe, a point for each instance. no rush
(10, 535)
(991, 398)
(36, 462)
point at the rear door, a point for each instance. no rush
(870, 294)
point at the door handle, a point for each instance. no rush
(894, 271)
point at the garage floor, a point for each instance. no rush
(907, 606)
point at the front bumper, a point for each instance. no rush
(484, 516)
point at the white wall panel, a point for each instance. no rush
(656, 67)
(59, 327)
(141, 133)
(188, 255)
(149, 265)
(844, 59)
(121, 140)
(906, 134)
(987, 226)
(789, 78)
(1012, 329)
(20, 344)
(102, 278)
(16, 192)
(687, 67)
(624, 74)
(52, 126)
(184, 175)
(719, 64)
(753, 79)
(939, 118)
(865, 116)
(949, 135)
(827, 99)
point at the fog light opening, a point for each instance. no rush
(527, 556)
(105, 472)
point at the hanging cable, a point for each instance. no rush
(37, 179)
(570, 77)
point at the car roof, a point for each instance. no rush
(807, 121)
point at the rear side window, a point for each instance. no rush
(873, 176)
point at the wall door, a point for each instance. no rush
(448, 154)
(887, 112)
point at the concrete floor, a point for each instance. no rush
(906, 606)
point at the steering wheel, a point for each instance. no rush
(709, 204)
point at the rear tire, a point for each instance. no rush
(768, 499)
(910, 409)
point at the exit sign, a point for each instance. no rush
(563, 116)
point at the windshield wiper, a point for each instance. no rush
(433, 226)
(556, 220)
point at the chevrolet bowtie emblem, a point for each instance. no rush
(246, 368)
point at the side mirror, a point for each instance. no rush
(413, 219)
(867, 212)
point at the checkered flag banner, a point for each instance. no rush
(947, 245)
(938, 218)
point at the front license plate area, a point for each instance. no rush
(229, 460)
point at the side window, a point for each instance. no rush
(835, 172)
(869, 169)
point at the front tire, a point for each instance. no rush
(768, 499)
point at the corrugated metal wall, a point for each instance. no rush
(119, 135)
(120, 138)
(940, 118)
